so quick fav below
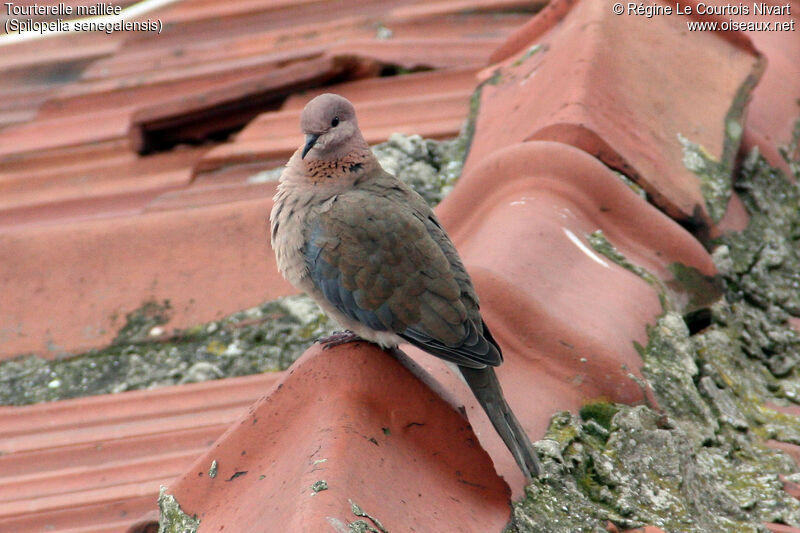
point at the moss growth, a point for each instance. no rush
(558, 501)
(701, 464)
(601, 245)
(692, 289)
(362, 526)
(430, 167)
(468, 129)
(791, 152)
(688, 291)
(600, 412)
(142, 324)
(265, 338)
(172, 519)
(714, 176)
(632, 185)
(763, 263)
(527, 55)
(671, 370)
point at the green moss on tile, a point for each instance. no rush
(714, 176)
(689, 290)
(632, 185)
(430, 167)
(144, 323)
(763, 262)
(646, 470)
(791, 151)
(701, 463)
(601, 244)
(262, 339)
(692, 289)
(468, 129)
(671, 370)
(172, 519)
(265, 338)
(530, 52)
(600, 412)
(362, 526)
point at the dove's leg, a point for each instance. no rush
(339, 337)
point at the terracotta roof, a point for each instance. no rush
(773, 109)
(353, 434)
(71, 174)
(623, 78)
(124, 166)
(95, 464)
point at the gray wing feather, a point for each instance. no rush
(339, 253)
(329, 280)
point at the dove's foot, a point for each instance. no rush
(339, 337)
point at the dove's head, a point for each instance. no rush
(329, 124)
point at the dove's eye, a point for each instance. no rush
(335, 122)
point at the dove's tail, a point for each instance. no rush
(486, 388)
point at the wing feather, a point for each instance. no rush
(393, 269)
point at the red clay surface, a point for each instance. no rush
(90, 230)
(353, 417)
(93, 229)
(774, 108)
(95, 464)
(565, 315)
(621, 75)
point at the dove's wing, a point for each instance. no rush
(390, 267)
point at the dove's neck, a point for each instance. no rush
(335, 173)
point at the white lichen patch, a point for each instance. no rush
(701, 464)
(264, 338)
(172, 519)
(429, 167)
(714, 176)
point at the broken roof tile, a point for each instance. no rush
(420, 53)
(228, 105)
(459, 79)
(434, 115)
(95, 464)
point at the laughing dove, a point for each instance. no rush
(373, 255)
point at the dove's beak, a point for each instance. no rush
(311, 139)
